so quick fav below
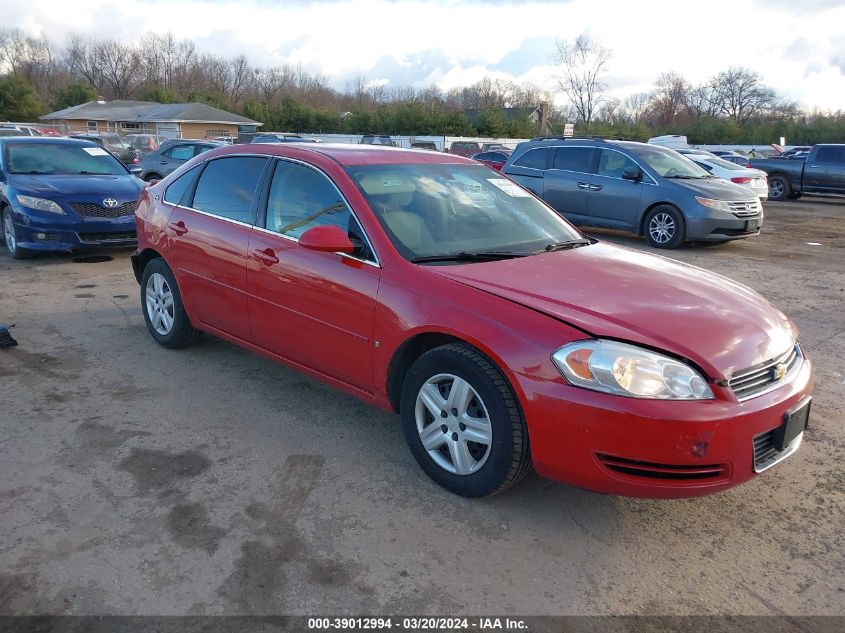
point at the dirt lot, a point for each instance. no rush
(137, 480)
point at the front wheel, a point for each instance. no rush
(779, 188)
(664, 227)
(462, 422)
(161, 303)
(10, 236)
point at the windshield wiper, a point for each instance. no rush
(469, 256)
(559, 246)
(686, 177)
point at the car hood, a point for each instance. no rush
(615, 292)
(715, 188)
(84, 185)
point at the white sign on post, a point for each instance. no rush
(569, 130)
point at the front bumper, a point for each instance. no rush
(719, 226)
(66, 233)
(652, 448)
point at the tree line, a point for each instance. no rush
(733, 106)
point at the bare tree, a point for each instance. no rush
(635, 106)
(670, 99)
(583, 63)
(739, 94)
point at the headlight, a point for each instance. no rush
(627, 370)
(719, 205)
(40, 204)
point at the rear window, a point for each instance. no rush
(831, 155)
(227, 186)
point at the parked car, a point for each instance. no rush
(169, 157)
(121, 149)
(24, 130)
(228, 140)
(672, 141)
(7, 131)
(64, 195)
(429, 145)
(753, 179)
(376, 139)
(823, 171)
(420, 284)
(464, 148)
(488, 147)
(494, 159)
(144, 143)
(277, 137)
(646, 189)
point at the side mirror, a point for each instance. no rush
(329, 239)
(632, 173)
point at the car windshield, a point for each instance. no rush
(668, 163)
(61, 159)
(443, 211)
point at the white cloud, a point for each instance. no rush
(461, 42)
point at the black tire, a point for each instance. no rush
(779, 188)
(152, 176)
(508, 459)
(182, 333)
(11, 245)
(664, 227)
(794, 195)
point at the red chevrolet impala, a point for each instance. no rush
(428, 285)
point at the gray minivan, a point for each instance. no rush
(646, 189)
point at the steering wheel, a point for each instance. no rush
(671, 172)
(480, 220)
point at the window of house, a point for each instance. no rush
(216, 133)
(92, 126)
(130, 126)
(227, 186)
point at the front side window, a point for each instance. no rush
(180, 152)
(433, 210)
(668, 163)
(61, 159)
(613, 164)
(534, 158)
(227, 186)
(301, 198)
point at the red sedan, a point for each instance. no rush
(504, 338)
(495, 159)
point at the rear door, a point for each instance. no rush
(567, 182)
(174, 157)
(824, 170)
(313, 308)
(614, 202)
(209, 242)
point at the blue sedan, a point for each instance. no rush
(61, 194)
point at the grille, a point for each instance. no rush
(750, 382)
(764, 450)
(745, 208)
(126, 236)
(92, 210)
(651, 470)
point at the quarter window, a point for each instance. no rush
(227, 186)
(534, 159)
(301, 198)
(578, 159)
(176, 191)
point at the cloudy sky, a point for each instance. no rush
(798, 46)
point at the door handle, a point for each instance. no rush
(266, 256)
(583, 185)
(162, 162)
(595, 187)
(813, 166)
(178, 227)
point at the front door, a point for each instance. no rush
(210, 242)
(826, 171)
(614, 201)
(313, 308)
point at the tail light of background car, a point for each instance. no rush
(742, 181)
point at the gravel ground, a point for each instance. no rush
(137, 480)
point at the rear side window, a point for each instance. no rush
(831, 155)
(578, 159)
(176, 190)
(227, 186)
(534, 159)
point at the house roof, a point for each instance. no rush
(511, 114)
(148, 111)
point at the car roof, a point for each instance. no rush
(348, 154)
(49, 140)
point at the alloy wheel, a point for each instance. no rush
(453, 424)
(662, 228)
(159, 299)
(775, 189)
(9, 231)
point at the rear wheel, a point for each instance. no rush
(779, 188)
(161, 303)
(151, 177)
(664, 227)
(462, 422)
(10, 236)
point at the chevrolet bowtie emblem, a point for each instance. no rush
(780, 371)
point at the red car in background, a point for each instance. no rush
(505, 338)
(494, 159)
